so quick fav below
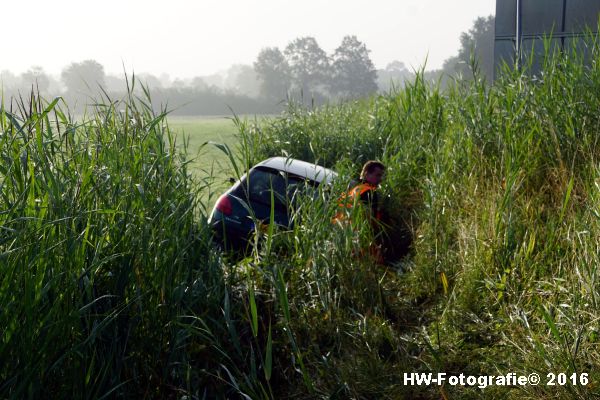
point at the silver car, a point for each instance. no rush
(271, 184)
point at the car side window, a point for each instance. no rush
(300, 187)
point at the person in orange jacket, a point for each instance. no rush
(365, 192)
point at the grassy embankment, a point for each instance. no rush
(109, 286)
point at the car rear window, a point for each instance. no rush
(285, 187)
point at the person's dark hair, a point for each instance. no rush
(370, 166)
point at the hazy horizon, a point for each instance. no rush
(187, 40)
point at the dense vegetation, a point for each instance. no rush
(110, 287)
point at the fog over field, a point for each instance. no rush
(209, 59)
(185, 39)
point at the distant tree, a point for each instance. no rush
(273, 72)
(243, 80)
(199, 84)
(309, 66)
(395, 74)
(214, 80)
(35, 77)
(115, 83)
(353, 72)
(165, 80)
(149, 80)
(83, 77)
(479, 42)
(396, 66)
(179, 83)
(453, 65)
(8, 81)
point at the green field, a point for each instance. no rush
(200, 130)
(207, 161)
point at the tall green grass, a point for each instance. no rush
(497, 186)
(106, 268)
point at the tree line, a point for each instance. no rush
(302, 71)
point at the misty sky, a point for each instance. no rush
(186, 38)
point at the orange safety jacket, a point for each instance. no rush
(348, 199)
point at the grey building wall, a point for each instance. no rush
(522, 25)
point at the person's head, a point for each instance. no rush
(372, 172)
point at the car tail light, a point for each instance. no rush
(224, 205)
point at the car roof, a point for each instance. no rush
(301, 168)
